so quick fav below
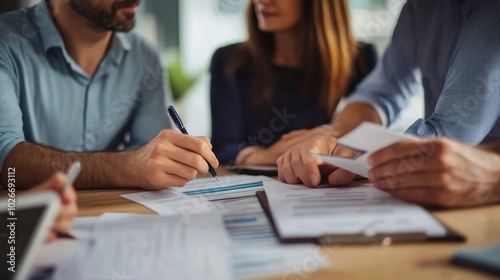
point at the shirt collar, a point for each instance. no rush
(49, 34)
(120, 44)
(51, 38)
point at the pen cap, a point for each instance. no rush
(174, 117)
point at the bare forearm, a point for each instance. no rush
(34, 164)
(352, 116)
(262, 157)
(495, 147)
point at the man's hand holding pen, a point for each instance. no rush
(172, 159)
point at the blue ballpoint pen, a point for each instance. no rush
(177, 122)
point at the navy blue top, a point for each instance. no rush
(237, 123)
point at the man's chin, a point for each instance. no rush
(124, 28)
(124, 25)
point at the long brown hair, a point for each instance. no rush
(326, 55)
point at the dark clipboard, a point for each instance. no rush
(351, 239)
(269, 171)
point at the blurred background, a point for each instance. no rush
(187, 32)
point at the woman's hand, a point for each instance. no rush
(69, 209)
(267, 156)
(299, 165)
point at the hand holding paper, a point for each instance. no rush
(307, 162)
(366, 138)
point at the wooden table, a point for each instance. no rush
(481, 226)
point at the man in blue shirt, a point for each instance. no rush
(74, 87)
(452, 48)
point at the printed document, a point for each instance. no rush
(255, 249)
(131, 246)
(299, 211)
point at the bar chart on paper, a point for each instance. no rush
(256, 250)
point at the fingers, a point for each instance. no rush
(340, 177)
(161, 180)
(187, 162)
(285, 171)
(305, 167)
(172, 159)
(63, 225)
(69, 209)
(206, 140)
(405, 167)
(344, 152)
(67, 213)
(183, 170)
(198, 146)
(51, 236)
(299, 166)
(428, 180)
(68, 196)
(55, 183)
(409, 149)
(171, 147)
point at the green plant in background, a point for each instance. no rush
(180, 81)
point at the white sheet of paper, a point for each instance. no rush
(201, 195)
(368, 138)
(299, 211)
(170, 202)
(255, 252)
(130, 246)
(57, 253)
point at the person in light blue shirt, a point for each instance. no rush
(74, 85)
(452, 48)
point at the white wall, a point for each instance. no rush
(203, 29)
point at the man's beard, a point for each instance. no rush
(105, 19)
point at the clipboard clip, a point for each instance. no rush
(381, 238)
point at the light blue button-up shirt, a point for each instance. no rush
(452, 48)
(46, 98)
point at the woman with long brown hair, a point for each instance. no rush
(299, 61)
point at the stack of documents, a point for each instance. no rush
(129, 246)
(255, 249)
(357, 214)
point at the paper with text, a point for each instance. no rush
(255, 250)
(132, 246)
(366, 138)
(299, 211)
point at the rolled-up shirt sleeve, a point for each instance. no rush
(469, 104)
(396, 77)
(11, 123)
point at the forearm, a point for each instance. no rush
(257, 156)
(34, 164)
(352, 116)
(495, 147)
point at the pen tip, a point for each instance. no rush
(217, 178)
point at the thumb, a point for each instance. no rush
(341, 177)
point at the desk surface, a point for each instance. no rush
(481, 226)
